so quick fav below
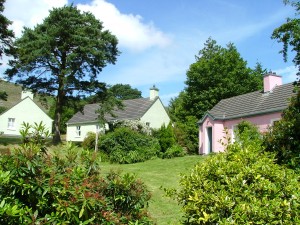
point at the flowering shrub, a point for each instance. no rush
(42, 188)
(135, 125)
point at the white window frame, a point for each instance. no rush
(234, 129)
(78, 131)
(11, 124)
(274, 120)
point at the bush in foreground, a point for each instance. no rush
(39, 188)
(240, 186)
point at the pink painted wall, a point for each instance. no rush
(217, 135)
(218, 129)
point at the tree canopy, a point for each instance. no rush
(6, 35)
(288, 35)
(63, 56)
(125, 91)
(6, 38)
(218, 73)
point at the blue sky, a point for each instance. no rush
(160, 38)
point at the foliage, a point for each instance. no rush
(288, 35)
(38, 188)
(125, 91)
(6, 35)
(63, 56)
(283, 138)
(210, 79)
(135, 125)
(252, 131)
(89, 141)
(2, 109)
(213, 77)
(186, 134)
(124, 145)
(240, 186)
(174, 151)
(165, 136)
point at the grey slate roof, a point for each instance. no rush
(133, 109)
(251, 104)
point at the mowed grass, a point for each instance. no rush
(158, 174)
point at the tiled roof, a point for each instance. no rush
(253, 103)
(133, 109)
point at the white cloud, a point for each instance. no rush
(289, 74)
(29, 12)
(130, 29)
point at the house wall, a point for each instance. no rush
(156, 116)
(218, 129)
(72, 134)
(217, 136)
(25, 111)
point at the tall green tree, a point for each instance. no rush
(289, 35)
(6, 39)
(63, 56)
(283, 138)
(125, 91)
(218, 73)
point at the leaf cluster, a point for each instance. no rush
(125, 145)
(240, 186)
(283, 138)
(66, 187)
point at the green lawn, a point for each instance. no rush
(158, 174)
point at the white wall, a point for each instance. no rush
(156, 116)
(72, 134)
(25, 111)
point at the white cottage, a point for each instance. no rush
(147, 110)
(26, 110)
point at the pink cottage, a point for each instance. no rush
(261, 108)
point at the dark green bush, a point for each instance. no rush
(68, 188)
(166, 137)
(127, 146)
(174, 151)
(89, 141)
(284, 137)
(240, 186)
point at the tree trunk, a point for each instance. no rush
(58, 111)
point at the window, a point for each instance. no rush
(11, 123)
(148, 124)
(274, 121)
(78, 131)
(234, 132)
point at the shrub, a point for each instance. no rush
(89, 141)
(165, 136)
(240, 186)
(174, 151)
(39, 188)
(127, 146)
(284, 137)
(135, 125)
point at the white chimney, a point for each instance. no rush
(153, 92)
(271, 80)
(25, 94)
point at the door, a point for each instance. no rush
(209, 140)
